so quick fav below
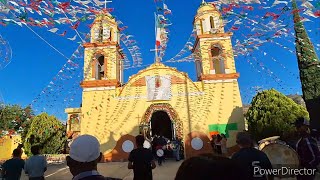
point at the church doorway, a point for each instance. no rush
(161, 124)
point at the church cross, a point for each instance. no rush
(157, 58)
(105, 3)
(138, 117)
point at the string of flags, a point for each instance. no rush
(254, 34)
(5, 53)
(162, 24)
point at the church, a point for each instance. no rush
(159, 100)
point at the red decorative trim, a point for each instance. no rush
(100, 83)
(220, 76)
(87, 45)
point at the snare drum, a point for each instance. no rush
(280, 154)
(160, 152)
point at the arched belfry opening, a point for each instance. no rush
(100, 38)
(212, 22)
(161, 124)
(99, 68)
(218, 59)
(216, 51)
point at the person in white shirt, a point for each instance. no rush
(224, 149)
(36, 165)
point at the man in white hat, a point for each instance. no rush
(83, 158)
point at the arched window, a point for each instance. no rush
(217, 59)
(74, 122)
(215, 51)
(99, 69)
(201, 27)
(222, 66)
(100, 34)
(110, 36)
(211, 22)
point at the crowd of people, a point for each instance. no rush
(163, 147)
(219, 144)
(85, 155)
(35, 166)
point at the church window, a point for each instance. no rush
(99, 71)
(211, 22)
(110, 35)
(199, 68)
(74, 122)
(201, 27)
(100, 34)
(215, 51)
(222, 67)
(218, 59)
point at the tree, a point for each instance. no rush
(15, 119)
(309, 69)
(272, 113)
(48, 132)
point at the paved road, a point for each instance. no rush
(114, 169)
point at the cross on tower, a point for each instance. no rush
(157, 58)
(105, 3)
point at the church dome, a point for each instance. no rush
(205, 7)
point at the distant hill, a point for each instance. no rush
(297, 99)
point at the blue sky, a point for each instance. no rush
(34, 64)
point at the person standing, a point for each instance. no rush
(307, 148)
(250, 157)
(224, 149)
(176, 148)
(84, 157)
(212, 143)
(141, 161)
(11, 169)
(160, 149)
(218, 144)
(36, 165)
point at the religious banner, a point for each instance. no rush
(159, 87)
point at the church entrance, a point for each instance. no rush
(161, 124)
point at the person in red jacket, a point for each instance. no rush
(307, 148)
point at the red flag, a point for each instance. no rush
(234, 28)
(317, 13)
(63, 34)
(123, 28)
(64, 5)
(248, 8)
(75, 26)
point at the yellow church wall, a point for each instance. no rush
(114, 112)
(7, 145)
(110, 114)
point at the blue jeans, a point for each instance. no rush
(176, 153)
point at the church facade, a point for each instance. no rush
(159, 99)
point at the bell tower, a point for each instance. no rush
(103, 65)
(213, 47)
